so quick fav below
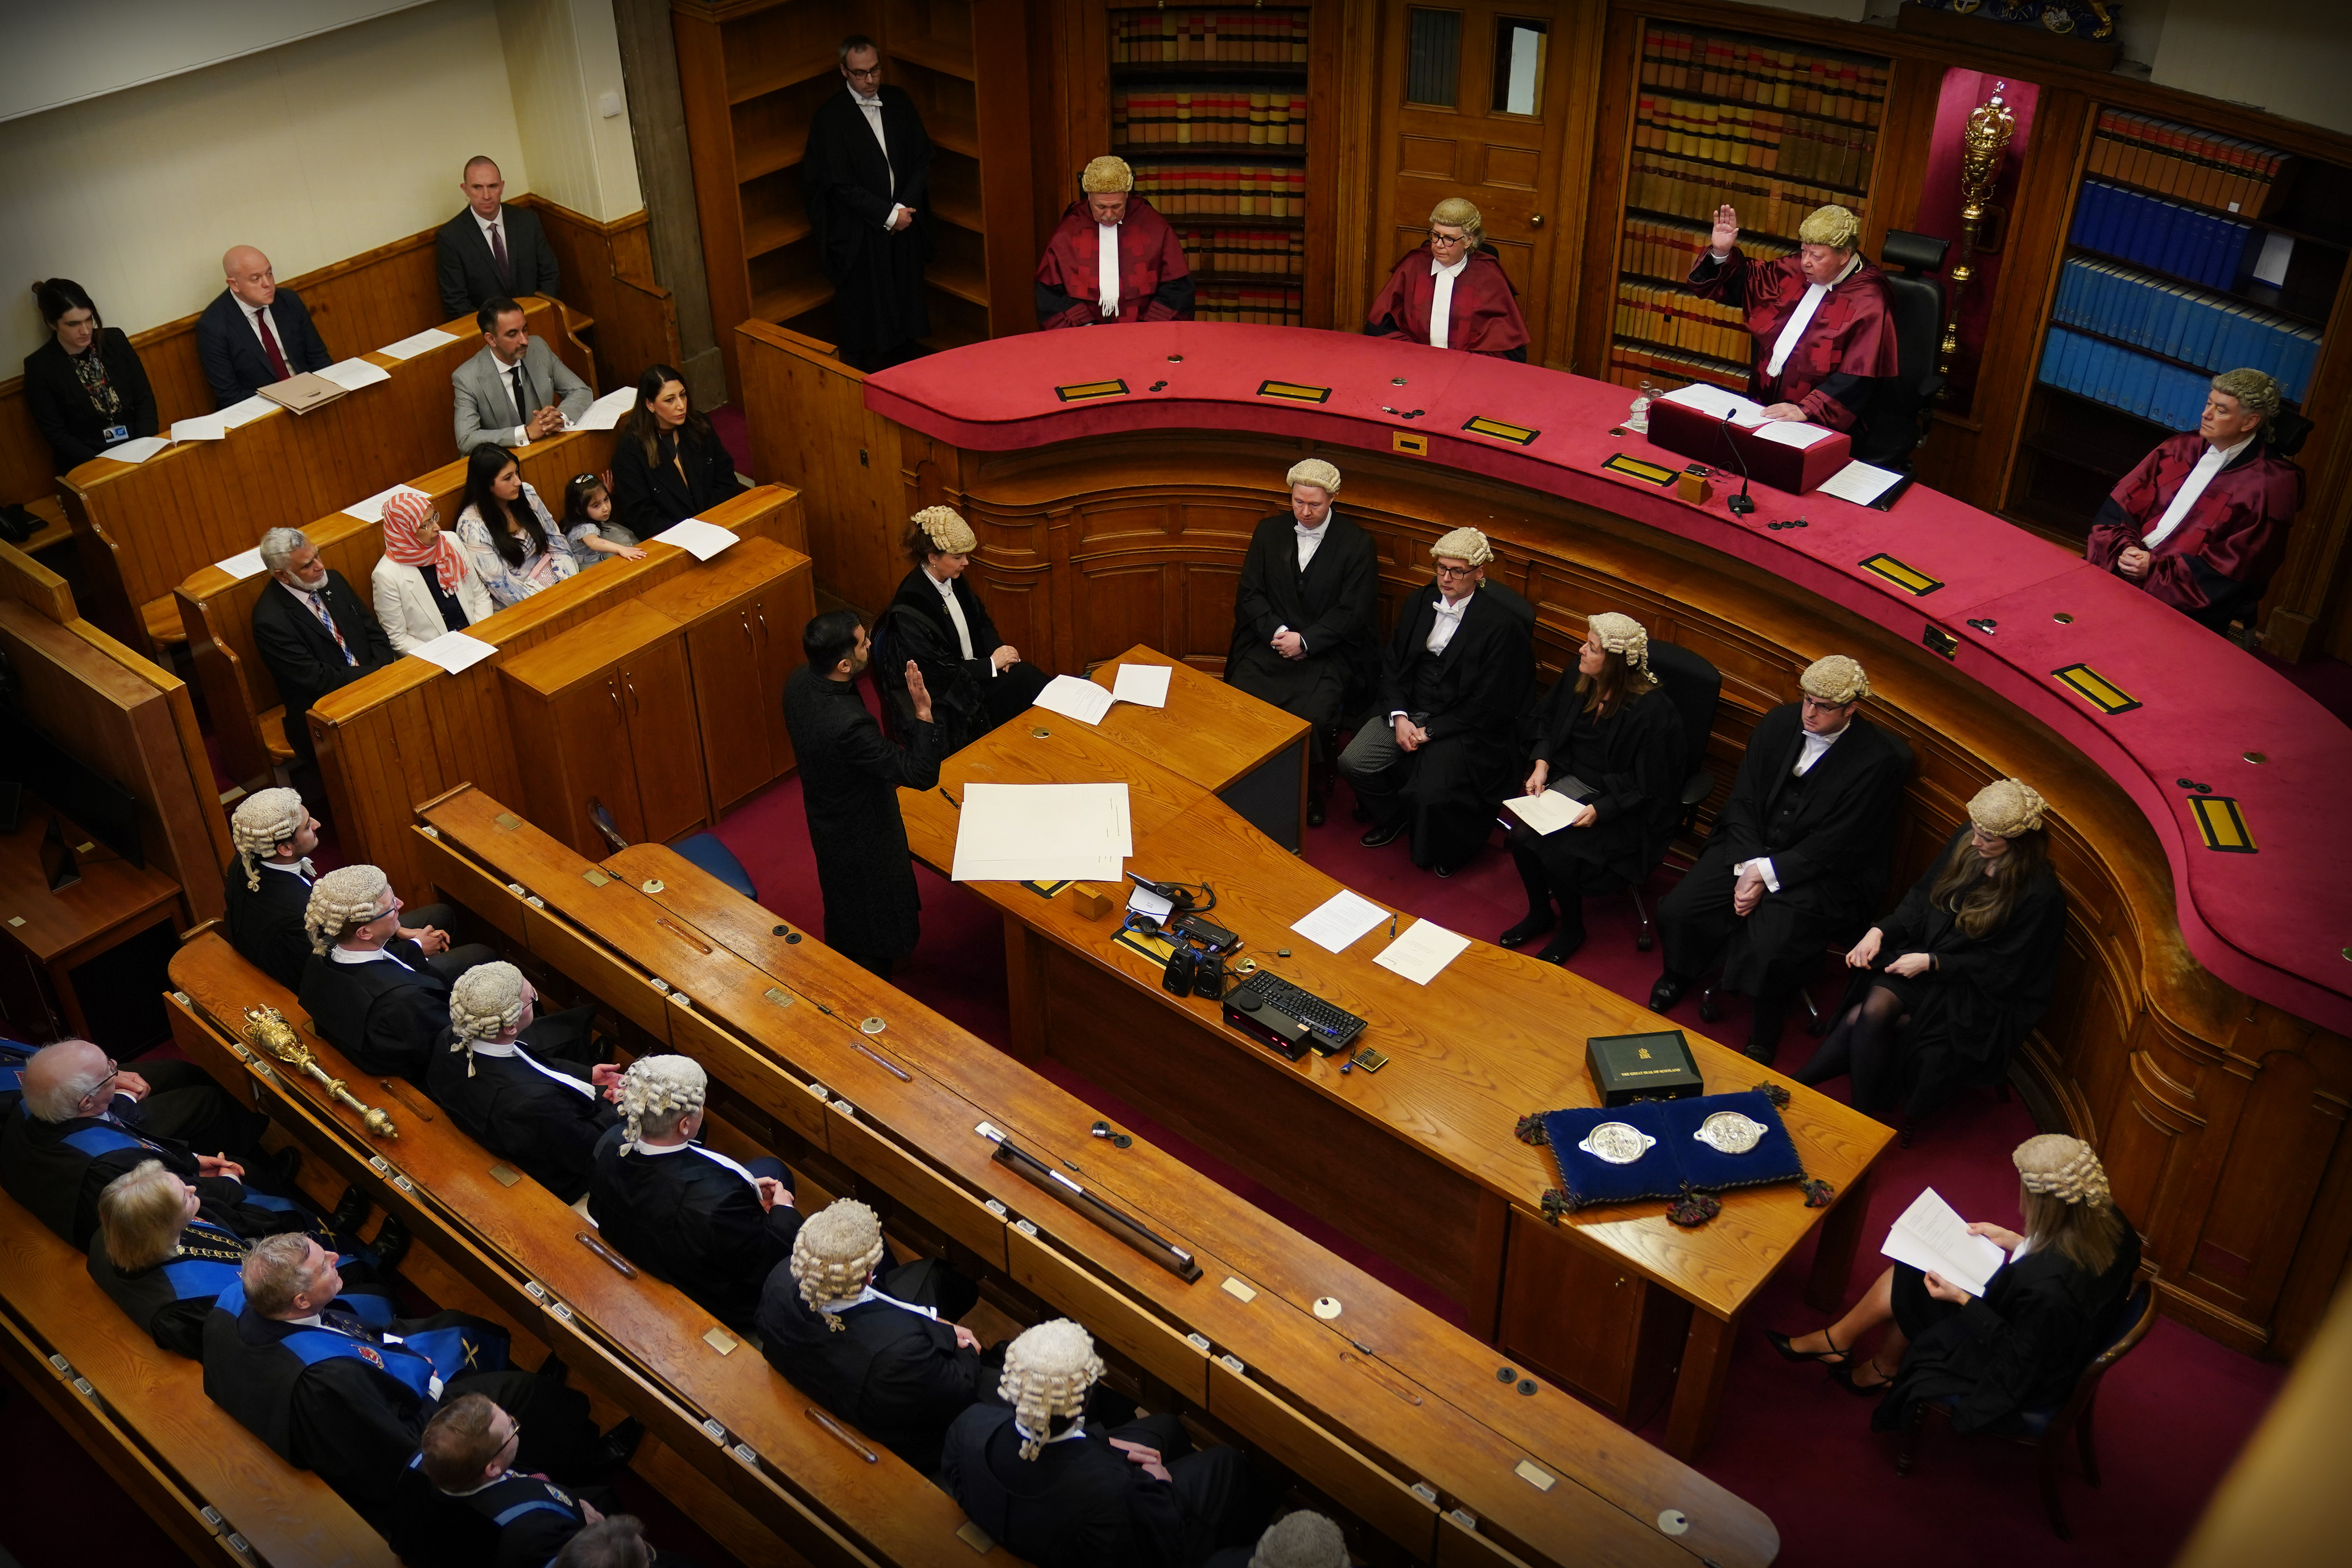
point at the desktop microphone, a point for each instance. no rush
(1741, 504)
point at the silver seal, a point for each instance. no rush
(1619, 1142)
(1730, 1131)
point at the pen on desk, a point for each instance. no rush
(949, 798)
(1392, 921)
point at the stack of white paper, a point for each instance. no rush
(698, 538)
(245, 413)
(1422, 952)
(1859, 482)
(371, 509)
(454, 651)
(1792, 432)
(1340, 920)
(199, 427)
(1715, 403)
(1545, 813)
(1080, 698)
(138, 449)
(1931, 1237)
(1042, 833)
(242, 566)
(1143, 684)
(351, 374)
(606, 411)
(410, 347)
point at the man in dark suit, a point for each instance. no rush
(1798, 857)
(491, 251)
(515, 1081)
(254, 334)
(1436, 751)
(515, 391)
(865, 179)
(268, 890)
(313, 632)
(370, 989)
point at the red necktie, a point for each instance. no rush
(499, 251)
(269, 344)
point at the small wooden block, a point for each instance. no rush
(594, 877)
(1089, 900)
(1693, 489)
(505, 1175)
(1541, 1480)
(1238, 1291)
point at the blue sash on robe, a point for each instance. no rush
(436, 1352)
(106, 1139)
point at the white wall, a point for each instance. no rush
(563, 59)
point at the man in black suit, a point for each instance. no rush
(371, 990)
(254, 334)
(1436, 751)
(865, 179)
(516, 1081)
(313, 632)
(491, 251)
(267, 888)
(1798, 858)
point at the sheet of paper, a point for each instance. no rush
(1791, 433)
(1081, 700)
(1931, 1235)
(1715, 403)
(138, 449)
(1547, 812)
(1340, 920)
(454, 651)
(2278, 249)
(607, 411)
(242, 566)
(1859, 482)
(245, 413)
(1042, 833)
(1422, 952)
(1145, 684)
(351, 374)
(371, 509)
(698, 538)
(200, 428)
(422, 342)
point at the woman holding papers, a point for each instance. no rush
(85, 387)
(977, 679)
(511, 539)
(2017, 1345)
(668, 464)
(1953, 979)
(424, 585)
(1607, 754)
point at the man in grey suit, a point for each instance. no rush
(491, 251)
(515, 391)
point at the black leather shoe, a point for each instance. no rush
(1562, 948)
(1444, 868)
(350, 1213)
(1383, 833)
(1667, 992)
(615, 1448)
(392, 1243)
(284, 1166)
(1527, 930)
(1314, 811)
(1756, 1051)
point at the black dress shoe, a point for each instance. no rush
(1383, 833)
(1443, 868)
(1314, 812)
(1562, 948)
(1667, 992)
(615, 1447)
(392, 1243)
(1756, 1051)
(283, 1166)
(1527, 930)
(350, 1213)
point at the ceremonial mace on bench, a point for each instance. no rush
(266, 1030)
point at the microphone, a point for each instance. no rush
(1741, 504)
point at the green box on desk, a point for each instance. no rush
(1655, 1066)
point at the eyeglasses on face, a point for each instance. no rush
(1457, 571)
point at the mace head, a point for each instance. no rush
(266, 1030)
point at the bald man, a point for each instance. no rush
(491, 251)
(255, 333)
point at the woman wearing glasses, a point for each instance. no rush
(1451, 293)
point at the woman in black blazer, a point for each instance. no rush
(85, 386)
(668, 464)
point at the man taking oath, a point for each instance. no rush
(2201, 522)
(1822, 319)
(1112, 258)
(1450, 292)
(866, 178)
(1303, 619)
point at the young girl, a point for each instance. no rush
(589, 530)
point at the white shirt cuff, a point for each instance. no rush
(1762, 866)
(895, 208)
(522, 436)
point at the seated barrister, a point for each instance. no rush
(1822, 319)
(515, 391)
(424, 585)
(1437, 751)
(313, 633)
(882, 1352)
(1451, 292)
(372, 992)
(2201, 523)
(512, 1081)
(491, 250)
(2016, 1350)
(268, 886)
(1304, 639)
(1610, 740)
(466, 1504)
(1300, 1540)
(85, 387)
(254, 334)
(1798, 858)
(1112, 258)
(977, 679)
(712, 1226)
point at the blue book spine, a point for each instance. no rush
(2143, 389)
(2212, 239)
(2176, 317)
(2304, 361)
(2123, 226)
(2197, 335)
(2086, 202)
(2069, 367)
(2098, 288)
(2071, 282)
(2146, 294)
(2270, 345)
(2053, 355)
(2106, 233)
(2227, 275)
(2103, 362)
(2179, 240)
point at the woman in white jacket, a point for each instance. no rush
(423, 583)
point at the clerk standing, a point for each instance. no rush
(865, 179)
(1822, 319)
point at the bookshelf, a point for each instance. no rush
(2188, 253)
(1775, 128)
(1210, 108)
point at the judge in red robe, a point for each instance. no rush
(1481, 309)
(1822, 319)
(1112, 258)
(2201, 523)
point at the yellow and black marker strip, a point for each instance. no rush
(1081, 391)
(1517, 435)
(1636, 468)
(2222, 824)
(1294, 392)
(1414, 443)
(1910, 579)
(1151, 945)
(1046, 889)
(2094, 688)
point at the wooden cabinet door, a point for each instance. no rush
(664, 741)
(724, 650)
(776, 618)
(591, 760)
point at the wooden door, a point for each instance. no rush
(664, 741)
(775, 617)
(1474, 100)
(591, 760)
(724, 650)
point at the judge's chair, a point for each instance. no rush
(2128, 1322)
(1899, 422)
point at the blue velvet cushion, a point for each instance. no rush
(706, 851)
(1678, 1159)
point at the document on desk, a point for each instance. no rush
(1081, 700)
(351, 374)
(606, 412)
(242, 566)
(1146, 685)
(1792, 432)
(698, 538)
(371, 509)
(454, 651)
(1340, 920)
(426, 341)
(245, 413)
(1424, 950)
(138, 449)
(199, 427)
(1931, 1237)
(1547, 812)
(1859, 482)
(1715, 403)
(1042, 833)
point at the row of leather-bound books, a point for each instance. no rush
(1660, 247)
(1229, 117)
(1631, 364)
(1263, 37)
(1259, 304)
(1669, 314)
(1768, 203)
(2201, 166)
(1266, 250)
(1765, 72)
(1747, 138)
(1224, 190)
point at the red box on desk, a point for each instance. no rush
(1710, 440)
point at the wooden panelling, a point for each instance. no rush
(608, 273)
(809, 429)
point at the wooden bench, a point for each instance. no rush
(215, 610)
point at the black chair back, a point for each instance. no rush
(1898, 420)
(1694, 685)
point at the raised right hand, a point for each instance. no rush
(919, 692)
(1865, 950)
(1727, 230)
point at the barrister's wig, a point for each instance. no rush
(1835, 678)
(1623, 636)
(1106, 176)
(2006, 808)
(2063, 1168)
(1047, 1371)
(1463, 544)
(1459, 212)
(1831, 225)
(834, 1255)
(659, 1092)
(2255, 392)
(949, 534)
(262, 821)
(345, 897)
(1313, 471)
(1301, 1539)
(486, 1003)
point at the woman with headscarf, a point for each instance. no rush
(1611, 741)
(1956, 975)
(977, 681)
(2018, 1348)
(85, 387)
(423, 585)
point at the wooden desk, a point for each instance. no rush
(58, 932)
(1418, 1161)
(1252, 755)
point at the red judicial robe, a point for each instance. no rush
(1848, 348)
(1154, 282)
(1485, 318)
(2215, 565)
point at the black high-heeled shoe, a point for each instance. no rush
(1527, 930)
(1843, 1377)
(1779, 1342)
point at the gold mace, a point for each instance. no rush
(266, 1030)
(1983, 143)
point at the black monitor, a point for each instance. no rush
(96, 803)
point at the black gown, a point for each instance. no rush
(651, 494)
(692, 1221)
(1634, 759)
(549, 1130)
(386, 1013)
(172, 1299)
(850, 777)
(967, 699)
(519, 1521)
(1331, 605)
(897, 1376)
(265, 923)
(848, 187)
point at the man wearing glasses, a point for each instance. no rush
(469, 1501)
(866, 182)
(1451, 292)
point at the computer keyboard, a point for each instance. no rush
(1334, 1025)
